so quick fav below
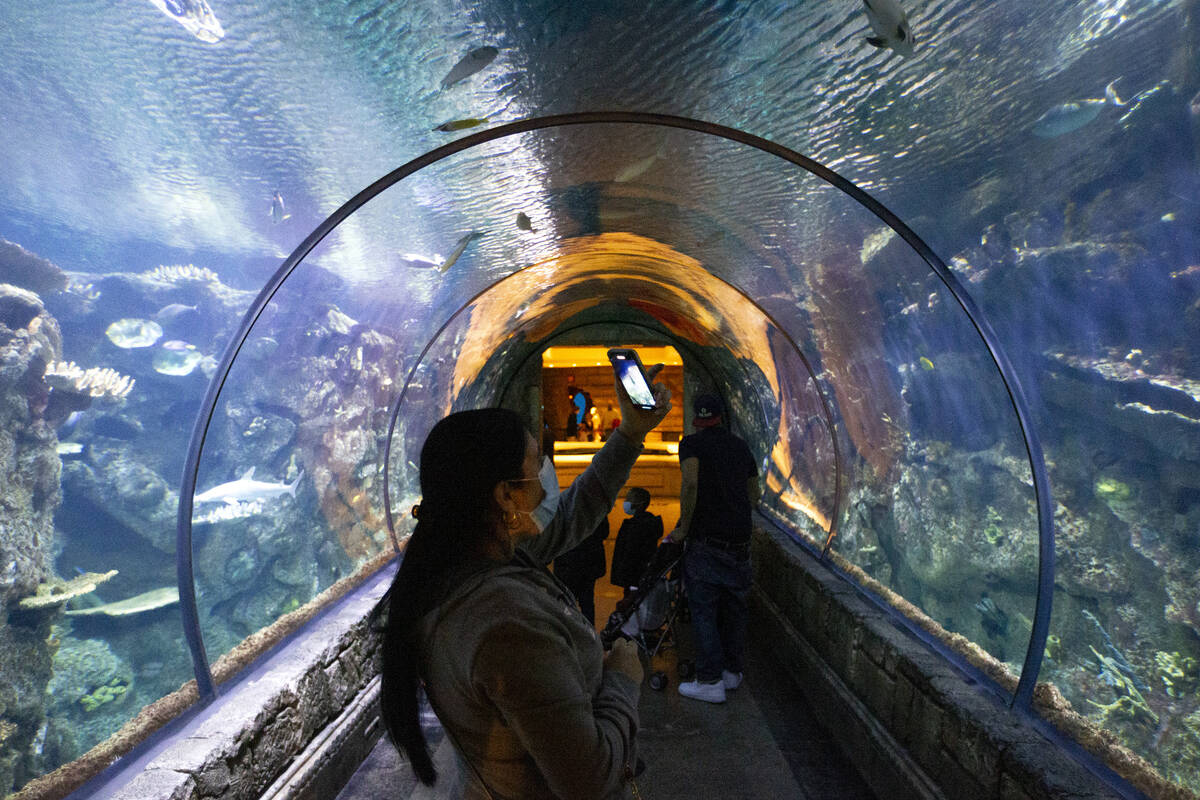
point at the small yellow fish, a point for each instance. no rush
(925, 363)
(523, 222)
(459, 124)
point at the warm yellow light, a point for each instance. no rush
(554, 357)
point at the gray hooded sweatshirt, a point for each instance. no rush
(516, 673)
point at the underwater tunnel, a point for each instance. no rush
(936, 302)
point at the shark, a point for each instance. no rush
(247, 490)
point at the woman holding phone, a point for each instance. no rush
(513, 670)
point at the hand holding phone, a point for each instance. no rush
(632, 376)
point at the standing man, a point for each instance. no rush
(719, 490)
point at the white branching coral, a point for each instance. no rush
(230, 512)
(183, 272)
(55, 592)
(94, 382)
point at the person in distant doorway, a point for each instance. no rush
(610, 419)
(595, 425)
(580, 568)
(573, 413)
(580, 401)
(719, 489)
(636, 541)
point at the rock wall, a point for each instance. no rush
(29, 495)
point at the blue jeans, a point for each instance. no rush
(718, 589)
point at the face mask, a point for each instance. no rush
(628, 506)
(545, 509)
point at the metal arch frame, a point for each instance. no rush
(1033, 657)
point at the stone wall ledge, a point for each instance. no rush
(235, 747)
(914, 724)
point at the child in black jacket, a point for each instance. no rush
(636, 541)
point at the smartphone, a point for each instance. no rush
(632, 375)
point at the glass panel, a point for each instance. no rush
(145, 136)
(100, 457)
(940, 506)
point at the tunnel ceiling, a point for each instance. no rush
(190, 134)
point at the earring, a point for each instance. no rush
(511, 520)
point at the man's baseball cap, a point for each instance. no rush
(708, 409)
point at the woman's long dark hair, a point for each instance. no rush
(462, 460)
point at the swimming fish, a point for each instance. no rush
(176, 361)
(460, 124)
(417, 261)
(925, 363)
(195, 16)
(471, 63)
(72, 421)
(890, 24)
(462, 245)
(523, 222)
(173, 311)
(278, 212)
(131, 333)
(1072, 116)
(69, 448)
(245, 489)
(639, 168)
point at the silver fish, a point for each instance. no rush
(890, 24)
(471, 63)
(1072, 116)
(462, 245)
(639, 168)
(246, 490)
(195, 16)
(172, 311)
(416, 261)
(278, 211)
(176, 362)
(130, 333)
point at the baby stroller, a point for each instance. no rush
(648, 615)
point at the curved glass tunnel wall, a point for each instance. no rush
(645, 223)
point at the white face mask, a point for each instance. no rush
(545, 510)
(628, 506)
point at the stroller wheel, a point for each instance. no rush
(658, 681)
(686, 670)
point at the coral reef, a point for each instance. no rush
(88, 675)
(114, 690)
(94, 381)
(183, 272)
(55, 592)
(1180, 674)
(1129, 700)
(847, 331)
(22, 268)
(29, 497)
(138, 604)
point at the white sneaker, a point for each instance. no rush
(708, 692)
(732, 680)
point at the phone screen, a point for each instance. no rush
(629, 372)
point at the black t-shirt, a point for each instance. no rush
(722, 502)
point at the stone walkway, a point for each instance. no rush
(762, 743)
